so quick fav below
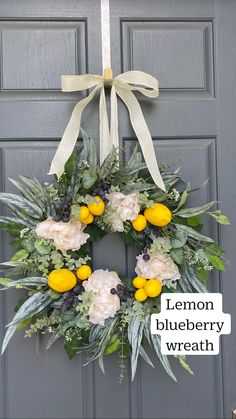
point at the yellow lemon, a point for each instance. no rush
(158, 215)
(97, 207)
(140, 295)
(153, 288)
(89, 219)
(140, 223)
(139, 282)
(83, 213)
(61, 280)
(83, 272)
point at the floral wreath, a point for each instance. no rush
(102, 311)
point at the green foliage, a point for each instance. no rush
(194, 221)
(219, 217)
(95, 232)
(184, 364)
(192, 212)
(72, 345)
(193, 233)
(135, 335)
(179, 238)
(35, 304)
(177, 255)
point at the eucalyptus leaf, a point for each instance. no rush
(88, 179)
(41, 248)
(177, 255)
(19, 256)
(179, 239)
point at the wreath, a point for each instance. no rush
(102, 311)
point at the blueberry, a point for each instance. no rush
(119, 287)
(77, 289)
(113, 291)
(82, 288)
(57, 218)
(124, 298)
(146, 257)
(65, 219)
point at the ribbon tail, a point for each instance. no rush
(105, 135)
(114, 118)
(70, 136)
(143, 135)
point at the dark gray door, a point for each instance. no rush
(190, 47)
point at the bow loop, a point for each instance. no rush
(122, 85)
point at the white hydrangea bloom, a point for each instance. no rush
(103, 303)
(66, 236)
(122, 208)
(159, 266)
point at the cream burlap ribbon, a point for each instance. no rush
(122, 85)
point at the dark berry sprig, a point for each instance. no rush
(70, 297)
(63, 210)
(122, 292)
(101, 190)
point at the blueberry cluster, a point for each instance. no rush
(101, 190)
(122, 292)
(63, 209)
(70, 297)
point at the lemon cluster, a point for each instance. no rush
(159, 215)
(95, 208)
(62, 280)
(146, 288)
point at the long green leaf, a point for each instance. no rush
(189, 274)
(20, 202)
(191, 212)
(193, 233)
(156, 340)
(135, 334)
(31, 281)
(36, 303)
(145, 356)
(9, 333)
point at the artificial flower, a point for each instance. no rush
(103, 303)
(159, 266)
(66, 236)
(122, 208)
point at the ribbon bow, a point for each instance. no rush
(123, 86)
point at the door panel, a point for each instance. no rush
(189, 47)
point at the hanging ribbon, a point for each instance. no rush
(123, 86)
